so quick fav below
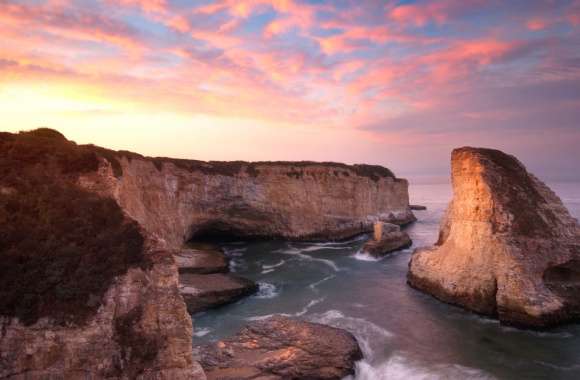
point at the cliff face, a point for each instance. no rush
(85, 292)
(507, 245)
(177, 199)
(88, 281)
(141, 331)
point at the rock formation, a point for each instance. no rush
(507, 245)
(281, 348)
(177, 200)
(390, 239)
(88, 280)
(203, 259)
(204, 291)
(84, 291)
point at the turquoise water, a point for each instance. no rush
(404, 334)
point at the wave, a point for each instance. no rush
(315, 284)
(238, 264)
(235, 252)
(266, 290)
(370, 336)
(297, 252)
(278, 264)
(398, 367)
(201, 332)
(300, 313)
(363, 256)
(314, 248)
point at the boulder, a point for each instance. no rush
(201, 259)
(389, 238)
(204, 291)
(507, 246)
(281, 348)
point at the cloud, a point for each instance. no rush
(382, 68)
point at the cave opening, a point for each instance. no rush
(216, 231)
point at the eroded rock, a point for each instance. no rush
(390, 239)
(205, 291)
(281, 348)
(179, 200)
(201, 259)
(507, 245)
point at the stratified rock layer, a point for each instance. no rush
(202, 259)
(178, 200)
(281, 348)
(507, 246)
(204, 291)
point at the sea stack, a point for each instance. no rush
(507, 245)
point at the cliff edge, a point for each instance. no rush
(85, 292)
(88, 279)
(507, 245)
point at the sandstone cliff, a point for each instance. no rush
(85, 292)
(88, 281)
(179, 199)
(507, 245)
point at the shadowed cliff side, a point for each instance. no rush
(507, 245)
(84, 291)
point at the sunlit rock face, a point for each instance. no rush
(178, 199)
(507, 245)
(281, 348)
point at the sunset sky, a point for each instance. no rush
(396, 83)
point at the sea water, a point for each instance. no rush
(403, 333)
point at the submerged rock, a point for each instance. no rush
(389, 239)
(417, 207)
(204, 291)
(281, 348)
(202, 259)
(507, 246)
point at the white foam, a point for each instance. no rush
(278, 264)
(236, 252)
(201, 332)
(236, 264)
(314, 248)
(300, 313)
(267, 290)
(369, 335)
(297, 252)
(307, 307)
(398, 367)
(266, 271)
(363, 256)
(315, 284)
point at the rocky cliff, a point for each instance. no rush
(88, 280)
(85, 292)
(507, 245)
(177, 200)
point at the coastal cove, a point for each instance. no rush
(403, 333)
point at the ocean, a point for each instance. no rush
(403, 333)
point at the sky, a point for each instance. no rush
(394, 83)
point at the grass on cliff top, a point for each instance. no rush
(60, 246)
